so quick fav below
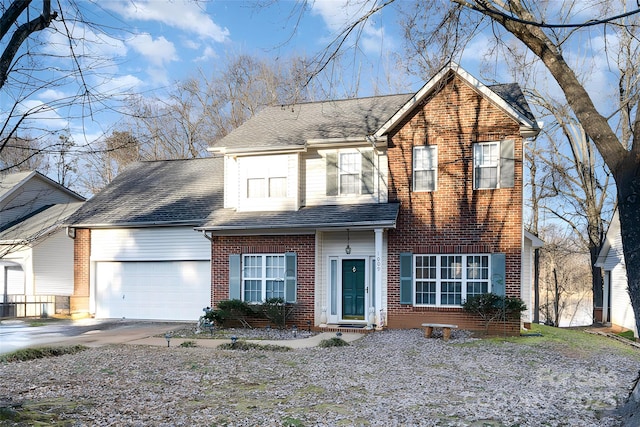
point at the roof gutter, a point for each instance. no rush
(254, 150)
(194, 223)
(325, 226)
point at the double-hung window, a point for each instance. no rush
(350, 172)
(448, 280)
(425, 168)
(263, 277)
(486, 164)
(494, 165)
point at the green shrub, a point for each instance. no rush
(491, 307)
(244, 346)
(333, 342)
(40, 352)
(277, 311)
(231, 311)
(188, 343)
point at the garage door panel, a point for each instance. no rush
(175, 290)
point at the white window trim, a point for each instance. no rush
(263, 276)
(433, 149)
(341, 172)
(496, 166)
(463, 280)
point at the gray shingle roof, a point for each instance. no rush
(512, 93)
(156, 193)
(291, 125)
(311, 217)
(40, 224)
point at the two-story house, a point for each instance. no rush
(386, 211)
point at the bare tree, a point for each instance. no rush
(114, 153)
(545, 29)
(564, 293)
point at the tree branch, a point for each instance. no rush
(22, 33)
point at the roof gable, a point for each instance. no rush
(508, 97)
(12, 183)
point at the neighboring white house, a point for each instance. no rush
(616, 308)
(529, 245)
(36, 256)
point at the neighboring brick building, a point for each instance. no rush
(385, 211)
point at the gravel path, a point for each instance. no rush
(391, 378)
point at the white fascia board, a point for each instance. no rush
(349, 141)
(432, 84)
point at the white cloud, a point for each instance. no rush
(119, 86)
(184, 15)
(52, 95)
(43, 113)
(207, 54)
(157, 51)
(337, 14)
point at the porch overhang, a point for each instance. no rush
(306, 220)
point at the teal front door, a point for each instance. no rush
(353, 278)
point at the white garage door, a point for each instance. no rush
(162, 290)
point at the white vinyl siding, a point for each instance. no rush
(31, 196)
(621, 309)
(53, 265)
(149, 244)
(314, 180)
(267, 183)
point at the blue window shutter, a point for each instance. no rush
(367, 172)
(406, 278)
(235, 276)
(507, 164)
(290, 280)
(332, 174)
(498, 273)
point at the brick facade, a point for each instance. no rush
(455, 219)
(79, 302)
(302, 245)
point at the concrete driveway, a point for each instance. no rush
(17, 334)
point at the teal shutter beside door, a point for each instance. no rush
(290, 280)
(498, 274)
(406, 278)
(235, 277)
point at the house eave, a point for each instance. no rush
(298, 228)
(149, 224)
(348, 141)
(247, 151)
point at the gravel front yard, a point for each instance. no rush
(391, 378)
